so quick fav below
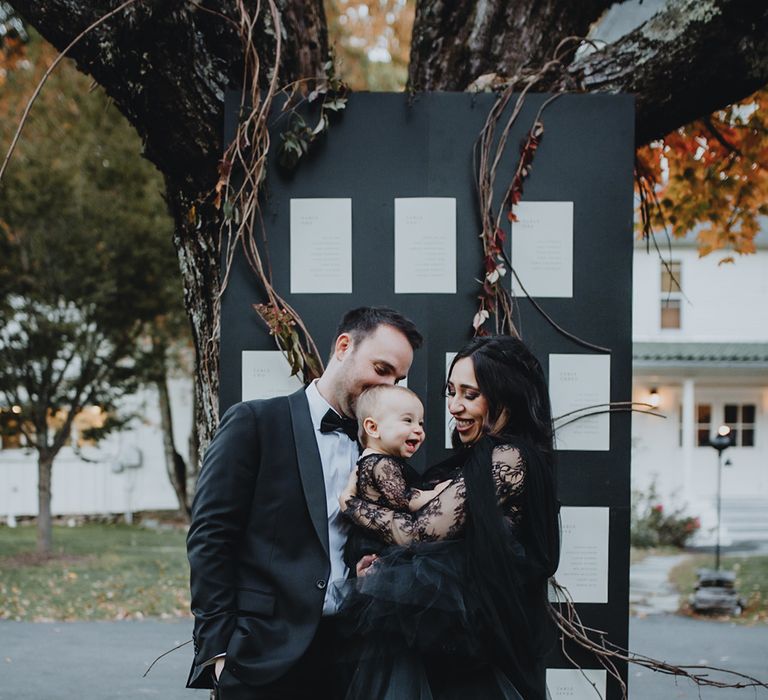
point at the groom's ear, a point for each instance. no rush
(371, 427)
(342, 345)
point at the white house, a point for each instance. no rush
(125, 473)
(701, 353)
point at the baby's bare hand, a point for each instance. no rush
(365, 565)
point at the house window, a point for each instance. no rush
(11, 437)
(671, 294)
(740, 418)
(703, 423)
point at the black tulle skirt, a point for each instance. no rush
(411, 632)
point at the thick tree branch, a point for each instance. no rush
(455, 42)
(694, 58)
(168, 63)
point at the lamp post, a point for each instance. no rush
(721, 442)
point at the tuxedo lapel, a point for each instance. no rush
(310, 466)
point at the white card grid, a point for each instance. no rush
(576, 684)
(542, 248)
(321, 246)
(425, 245)
(449, 422)
(583, 568)
(267, 374)
(576, 382)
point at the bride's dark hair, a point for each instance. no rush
(508, 567)
(511, 379)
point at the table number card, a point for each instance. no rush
(576, 684)
(577, 382)
(583, 566)
(425, 245)
(542, 248)
(266, 374)
(321, 246)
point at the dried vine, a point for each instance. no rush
(608, 654)
(645, 184)
(495, 298)
(243, 169)
(602, 408)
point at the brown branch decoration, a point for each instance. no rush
(495, 299)
(609, 655)
(243, 169)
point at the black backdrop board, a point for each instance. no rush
(386, 146)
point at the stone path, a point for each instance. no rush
(650, 592)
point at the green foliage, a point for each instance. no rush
(653, 525)
(295, 140)
(89, 283)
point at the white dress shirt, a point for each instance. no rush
(338, 455)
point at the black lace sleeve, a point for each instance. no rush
(443, 517)
(386, 478)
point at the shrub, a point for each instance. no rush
(653, 525)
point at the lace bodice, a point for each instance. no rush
(441, 518)
(381, 480)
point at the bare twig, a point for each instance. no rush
(246, 158)
(495, 299)
(607, 654)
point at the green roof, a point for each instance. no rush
(741, 354)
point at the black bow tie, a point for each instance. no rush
(333, 422)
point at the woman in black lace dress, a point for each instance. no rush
(456, 606)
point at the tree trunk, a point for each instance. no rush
(193, 465)
(44, 529)
(175, 465)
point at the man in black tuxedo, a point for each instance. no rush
(267, 538)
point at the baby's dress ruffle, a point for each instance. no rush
(413, 595)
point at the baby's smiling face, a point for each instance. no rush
(399, 424)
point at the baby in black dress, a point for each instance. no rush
(391, 421)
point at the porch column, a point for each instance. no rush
(688, 437)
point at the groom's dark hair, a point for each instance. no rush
(363, 321)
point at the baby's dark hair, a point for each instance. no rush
(368, 402)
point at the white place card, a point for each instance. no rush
(425, 245)
(576, 684)
(449, 422)
(576, 382)
(542, 248)
(583, 566)
(321, 246)
(266, 374)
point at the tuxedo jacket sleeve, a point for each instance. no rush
(258, 542)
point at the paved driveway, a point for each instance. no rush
(105, 660)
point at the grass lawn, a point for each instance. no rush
(751, 582)
(97, 572)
